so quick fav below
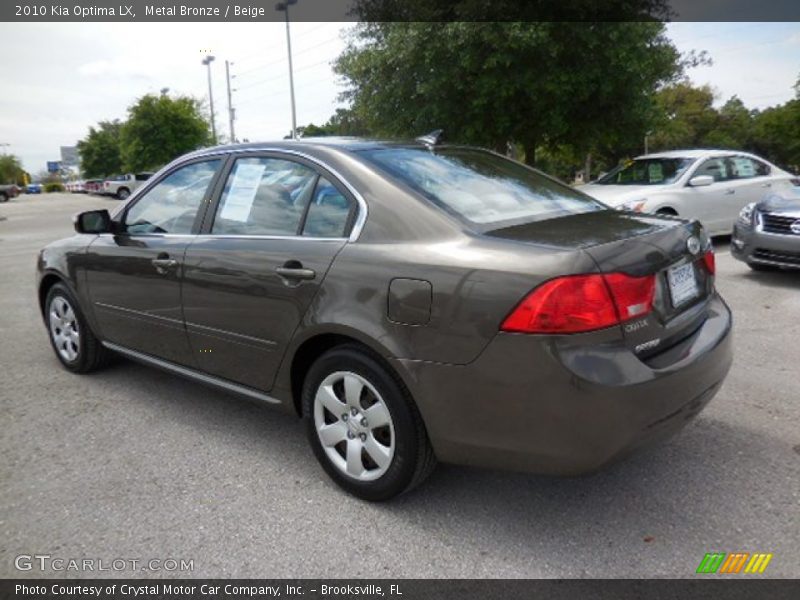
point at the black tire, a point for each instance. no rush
(91, 354)
(123, 193)
(3, 197)
(413, 460)
(667, 212)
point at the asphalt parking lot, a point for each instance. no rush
(134, 463)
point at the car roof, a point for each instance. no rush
(353, 144)
(694, 153)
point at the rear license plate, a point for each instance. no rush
(682, 284)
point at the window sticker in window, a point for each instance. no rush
(242, 191)
(655, 172)
(743, 167)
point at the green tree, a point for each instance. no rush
(11, 170)
(161, 128)
(99, 151)
(685, 117)
(585, 86)
(343, 123)
(777, 134)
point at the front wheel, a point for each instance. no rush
(363, 426)
(74, 343)
(3, 198)
(123, 193)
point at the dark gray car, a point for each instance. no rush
(412, 302)
(767, 233)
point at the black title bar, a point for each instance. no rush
(397, 10)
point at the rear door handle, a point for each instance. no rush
(766, 185)
(729, 192)
(296, 273)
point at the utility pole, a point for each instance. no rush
(207, 62)
(231, 111)
(647, 142)
(284, 6)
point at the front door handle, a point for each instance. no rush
(728, 192)
(164, 265)
(766, 185)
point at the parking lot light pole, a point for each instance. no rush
(231, 110)
(207, 62)
(284, 6)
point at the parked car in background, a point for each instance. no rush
(122, 186)
(8, 191)
(711, 186)
(93, 186)
(767, 233)
(33, 188)
(409, 301)
(75, 187)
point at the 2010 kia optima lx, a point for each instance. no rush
(411, 301)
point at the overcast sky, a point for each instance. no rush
(58, 79)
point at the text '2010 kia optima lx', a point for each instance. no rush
(411, 302)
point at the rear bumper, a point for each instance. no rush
(557, 406)
(757, 247)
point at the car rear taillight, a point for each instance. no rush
(710, 262)
(578, 303)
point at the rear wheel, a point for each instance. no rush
(74, 343)
(3, 197)
(123, 193)
(363, 426)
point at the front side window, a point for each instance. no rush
(481, 187)
(647, 171)
(264, 196)
(172, 204)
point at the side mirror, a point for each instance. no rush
(93, 221)
(701, 181)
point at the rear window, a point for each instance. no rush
(485, 189)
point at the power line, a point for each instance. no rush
(281, 76)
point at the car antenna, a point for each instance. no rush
(434, 138)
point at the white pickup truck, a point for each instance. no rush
(122, 185)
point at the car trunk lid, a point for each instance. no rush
(639, 245)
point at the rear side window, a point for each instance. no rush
(485, 189)
(744, 167)
(328, 213)
(264, 196)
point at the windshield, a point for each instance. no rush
(647, 171)
(481, 187)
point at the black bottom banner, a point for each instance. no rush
(397, 589)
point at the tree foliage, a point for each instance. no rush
(343, 123)
(688, 119)
(11, 170)
(100, 150)
(159, 129)
(537, 84)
